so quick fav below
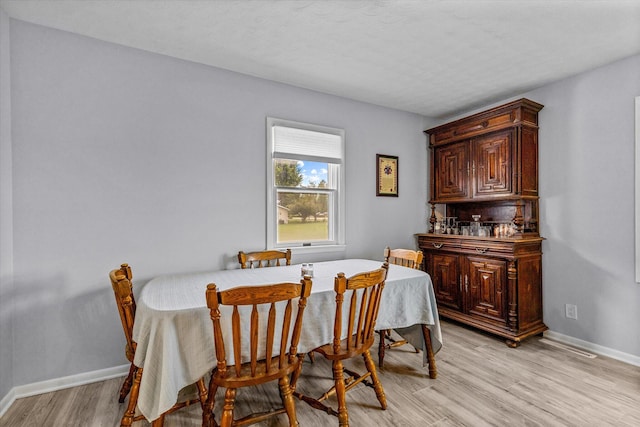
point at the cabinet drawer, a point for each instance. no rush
(484, 247)
(435, 244)
(479, 126)
(508, 115)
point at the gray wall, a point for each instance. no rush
(587, 208)
(123, 155)
(120, 155)
(6, 225)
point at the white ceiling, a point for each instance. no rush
(430, 57)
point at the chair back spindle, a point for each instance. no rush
(404, 257)
(264, 312)
(126, 303)
(268, 258)
(364, 292)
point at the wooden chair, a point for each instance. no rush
(126, 303)
(266, 259)
(260, 259)
(403, 257)
(361, 294)
(249, 304)
(406, 258)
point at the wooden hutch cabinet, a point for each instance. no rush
(484, 253)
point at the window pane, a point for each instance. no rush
(305, 185)
(300, 174)
(303, 217)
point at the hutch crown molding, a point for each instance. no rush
(484, 253)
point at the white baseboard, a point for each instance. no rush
(594, 348)
(7, 401)
(60, 383)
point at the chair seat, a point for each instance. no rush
(328, 350)
(261, 376)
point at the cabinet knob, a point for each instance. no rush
(437, 245)
(481, 250)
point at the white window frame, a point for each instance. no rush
(336, 240)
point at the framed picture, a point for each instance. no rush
(387, 175)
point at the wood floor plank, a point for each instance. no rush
(481, 382)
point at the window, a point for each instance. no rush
(305, 185)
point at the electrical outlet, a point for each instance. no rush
(571, 311)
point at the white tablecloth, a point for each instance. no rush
(174, 333)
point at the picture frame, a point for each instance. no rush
(386, 175)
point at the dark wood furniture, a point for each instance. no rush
(406, 258)
(126, 303)
(487, 164)
(360, 295)
(249, 304)
(269, 258)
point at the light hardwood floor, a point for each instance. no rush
(481, 382)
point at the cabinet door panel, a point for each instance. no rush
(452, 180)
(487, 293)
(444, 273)
(529, 290)
(492, 161)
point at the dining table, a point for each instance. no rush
(174, 332)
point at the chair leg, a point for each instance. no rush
(377, 386)
(382, 333)
(226, 420)
(207, 411)
(129, 414)
(338, 377)
(126, 385)
(296, 373)
(286, 393)
(158, 422)
(386, 335)
(202, 391)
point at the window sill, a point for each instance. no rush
(315, 249)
